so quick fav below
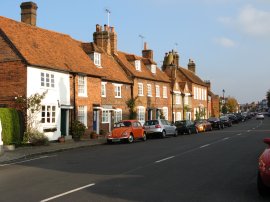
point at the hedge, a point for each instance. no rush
(10, 126)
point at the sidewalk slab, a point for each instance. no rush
(29, 151)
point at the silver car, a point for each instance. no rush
(160, 127)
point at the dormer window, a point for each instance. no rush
(153, 69)
(96, 58)
(138, 65)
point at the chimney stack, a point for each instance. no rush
(192, 66)
(29, 13)
(147, 53)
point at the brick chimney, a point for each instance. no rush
(192, 66)
(113, 40)
(147, 53)
(106, 39)
(29, 13)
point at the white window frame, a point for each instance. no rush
(177, 99)
(157, 91)
(165, 93)
(154, 69)
(186, 100)
(178, 116)
(105, 116)
(82, 86)
(141, 114)
(140, 89)
(103, 89)
(82, 114)
(97, 59)
(48, 114)
(165, 112)
(117, 115)
(117, 90)
(149, 90)
(47, 80)
(138, 65)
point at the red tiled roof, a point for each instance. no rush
(48, 49)
(110, 68)
(145, 73)
(191, 76)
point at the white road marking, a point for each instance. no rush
(239, 134)
(165, 159)
(248, 131)
(226, 138)
(68, 192)
(42, 157)
(206, 145)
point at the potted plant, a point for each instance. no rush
(61, 139)
(93, 135)
(77, 130)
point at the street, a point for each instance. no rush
(220, 165)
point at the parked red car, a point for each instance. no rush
(263, 179)
(126, 130)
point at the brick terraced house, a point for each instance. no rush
(34, 60)
(116, 85)
(151, 86)
(195, 102)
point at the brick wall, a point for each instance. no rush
(13, 75)
(93, 97)
(153, 102)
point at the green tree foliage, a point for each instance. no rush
(10, 126)
(131, 104)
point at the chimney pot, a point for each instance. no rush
(145, 46)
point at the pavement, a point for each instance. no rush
(23, 152)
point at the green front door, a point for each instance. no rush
(63, 122)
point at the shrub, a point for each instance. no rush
(77, 129)
(36, 138)
(10, 126)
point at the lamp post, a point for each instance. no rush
(223, 91)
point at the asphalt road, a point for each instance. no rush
(214, 166)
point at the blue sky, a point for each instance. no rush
(228, 39)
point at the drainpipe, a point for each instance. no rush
(74, 96)
(1, 142)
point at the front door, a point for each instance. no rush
(63, 122)
(149, 114)
(96, 121)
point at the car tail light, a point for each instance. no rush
(157, 126)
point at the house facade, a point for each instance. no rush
(151, 86)
(35, 60)
(196, 105)
(116, 85)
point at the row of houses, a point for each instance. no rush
(93, 81)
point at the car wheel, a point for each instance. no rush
(144, 137)
(189, 132)
(109, 142)
(130, 139)
(175, 133)
(163, 134)
(262, 189)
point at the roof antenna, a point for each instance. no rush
(142, 37)
(108, 15)
(175, 46)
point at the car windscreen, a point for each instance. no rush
(122, 124)
(151, 123)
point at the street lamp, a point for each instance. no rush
(223, 91)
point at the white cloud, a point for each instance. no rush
(250, 20)
(225, 42)
(253, 21)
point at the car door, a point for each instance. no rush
(137, 130)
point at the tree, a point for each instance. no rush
(268, 98)
(131, 104)
(232, 105)
(30, 107)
